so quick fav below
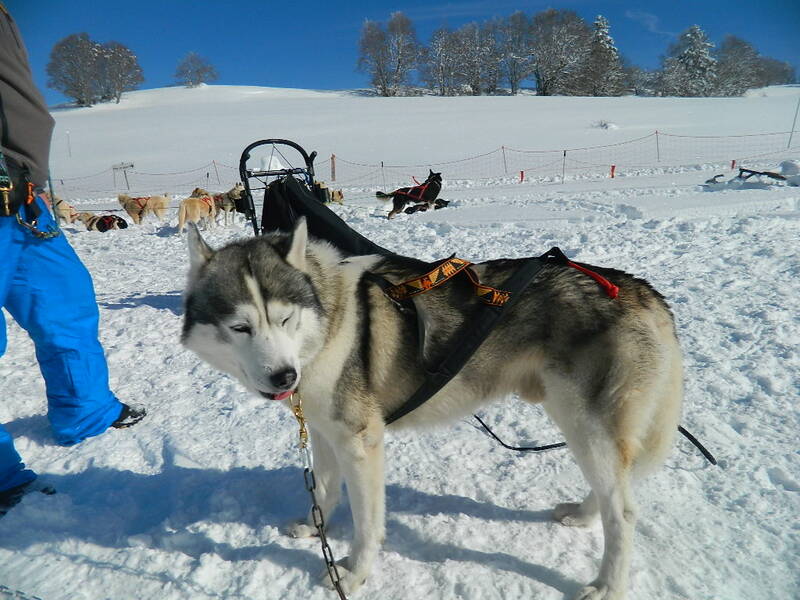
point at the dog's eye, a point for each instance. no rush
(242, 328)
(285, 321)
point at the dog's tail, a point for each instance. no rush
(383, 196)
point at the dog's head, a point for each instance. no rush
(251, 310)
(199, 192)
(437, 177)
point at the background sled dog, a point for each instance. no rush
(199, 206)
(298, 317)
(425, 193)
(139, 207)
(65, 212)
(101, 222)
(226, 202)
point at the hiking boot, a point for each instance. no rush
(11, 497)
(129, 416)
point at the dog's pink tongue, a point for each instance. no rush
(283, 395)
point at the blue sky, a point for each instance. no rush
(314, 44)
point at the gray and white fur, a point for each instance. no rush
(286, 313)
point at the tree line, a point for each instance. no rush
(558, 51)
(89, 72)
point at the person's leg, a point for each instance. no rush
(12, 472)
(52, 297)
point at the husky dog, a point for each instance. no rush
(287, 314)
(199, 206)
(101, 222)
(425, 193)
(226, 202)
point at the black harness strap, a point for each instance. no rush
(470, 338)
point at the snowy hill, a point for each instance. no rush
(189, 504)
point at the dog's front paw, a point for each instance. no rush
(350, 582)
(598, 590)
(300, 529)
(572, 515)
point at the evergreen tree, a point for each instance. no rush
(72, 68)
(603, 74)
(194, 69)
(689, 69)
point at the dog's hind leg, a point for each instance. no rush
(328, 492)
(606, 461)
(361, 460)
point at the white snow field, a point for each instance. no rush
(189, 504)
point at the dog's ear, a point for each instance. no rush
(297, 250)
(199, 251)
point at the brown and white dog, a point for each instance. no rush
(140, 206)
(65, 212)
(101, 222)
(199, 206)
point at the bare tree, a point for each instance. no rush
(72, 68)
(194, 70)
(404, 49)
(477, 58)
(117, 70)
(440, 63)
(560, 46)
(389, 55)
(514, 42)
(774, 72)
(373, 56)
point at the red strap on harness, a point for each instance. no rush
(610, 289)
(141, 201)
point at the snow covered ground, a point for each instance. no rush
(189, 504)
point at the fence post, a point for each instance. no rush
(658, 149)
(333, 167)
(213, 162)
(505, 164)
(791, 133)
(383, 176)
(563, 167)
(521, 176)
(733, 164)
(613, 168)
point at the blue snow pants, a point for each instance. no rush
(46, 288)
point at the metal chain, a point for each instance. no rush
(311, 485)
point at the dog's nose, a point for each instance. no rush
(284, 379)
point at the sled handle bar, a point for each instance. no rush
(245, 174)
